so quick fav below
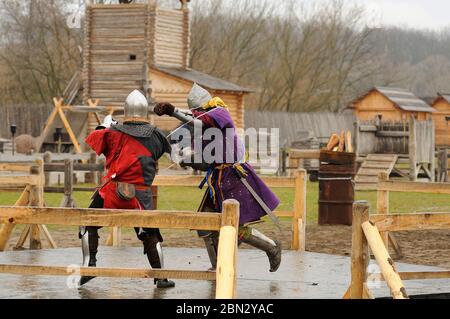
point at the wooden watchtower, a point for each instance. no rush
(144, 46)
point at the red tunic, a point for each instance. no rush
(124, 162)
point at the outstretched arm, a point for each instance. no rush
(170, 110)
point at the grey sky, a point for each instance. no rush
(419, 14)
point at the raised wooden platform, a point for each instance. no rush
(373, 165)
(301, 276)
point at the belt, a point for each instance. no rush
(142, 187)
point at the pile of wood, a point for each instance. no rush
(342, 143)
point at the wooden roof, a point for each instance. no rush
(403, 99)
(445, 96)
(203, 79)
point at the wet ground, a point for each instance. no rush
(301, 275)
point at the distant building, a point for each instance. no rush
(390, 104)
(129, 46)
(442, 119)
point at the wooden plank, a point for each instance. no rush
(11, 181)
(369, 171)
(414, 221)
(191, 180)
(384, 261)
(109, 218)
(366, 179)
(27, 270)
(304, 154)
(417, 187)
(381, 157)
(376, 165)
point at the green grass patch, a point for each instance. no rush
(188, 198)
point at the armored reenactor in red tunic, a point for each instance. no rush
(132, 150)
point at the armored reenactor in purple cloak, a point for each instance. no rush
(227, 177)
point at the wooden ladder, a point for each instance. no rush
(373, 165)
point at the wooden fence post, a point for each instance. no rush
(299, 219)
(384, 261)
(383, 204)
(91, 176)
(442, 166)
(37, 199)
(226, 273)
(360, 251)
(47, 160)
(67, 200)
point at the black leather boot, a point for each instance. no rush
(272, 248)
(211, 240)
(93, 246)
(153, 250)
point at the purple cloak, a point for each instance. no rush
(226, 182)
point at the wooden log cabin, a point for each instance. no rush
(390, 104)
(442, 119)
(144, 46)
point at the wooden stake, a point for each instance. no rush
(384, 261)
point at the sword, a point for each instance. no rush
(260, 201)
(193, 119)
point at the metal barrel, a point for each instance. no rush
(336, 187)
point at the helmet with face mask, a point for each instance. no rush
(198, 97)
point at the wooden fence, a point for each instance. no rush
(297, 182)
(226, 223)
(30, 179)
(367, 234)
(385, 186)
(30, 119)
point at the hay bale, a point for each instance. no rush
(25, 144)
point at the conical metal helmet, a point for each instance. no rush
(198, 97)
(136, 108)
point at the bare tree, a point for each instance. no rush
(39, 50)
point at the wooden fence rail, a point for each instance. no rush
(385, 186)
(366, 234)
(226, 223)
(297, 182)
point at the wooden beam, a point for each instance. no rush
(28, 270)
(11, 181)
(16, 167)
(109, 218)
(191, 180)
(304, 154)
(414, 221)
(384, 261)
(73, 138)
(360, 252)
(420, 275)
(415, 187)
(226, 275)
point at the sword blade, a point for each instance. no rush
(261, 203)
